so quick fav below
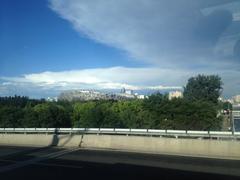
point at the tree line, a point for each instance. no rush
(197, 110)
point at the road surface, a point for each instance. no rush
(59, 163)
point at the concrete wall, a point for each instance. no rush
(40, 140)
(186, 147)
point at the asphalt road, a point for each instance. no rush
(59, 163)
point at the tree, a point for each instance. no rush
(51, 115)
(157, 111)
(11, 116)
(109, 117)
(203, 87)
(84, 115)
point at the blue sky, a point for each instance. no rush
(49, 46)
(35, 39)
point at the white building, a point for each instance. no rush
(175, 94)
(50, 99)
(129, 92)
(236, 117)
(140, 96)
(236, 99)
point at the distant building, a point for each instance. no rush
(236, 117)
(175, 94)
(52, 99)
(89, 95)
(141, 96)
(123, 90)
(236, 99)
(129, 92)
(83, 95)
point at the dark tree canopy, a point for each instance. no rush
(203, 87)
(197, 111)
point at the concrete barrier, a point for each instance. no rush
(40, 140)
(26, 140)
(185, 147)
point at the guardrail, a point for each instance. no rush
(119, 131)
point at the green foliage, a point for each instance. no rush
(201, 87)
(197, 111)
(131, 114)
(51, 115)
(183, 114)
(18, 101)
(226, 105)
(84, 115)
(11, 116)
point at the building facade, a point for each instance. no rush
(236, 117)
(175, 94)
(236, 99)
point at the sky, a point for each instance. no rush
(50, 46)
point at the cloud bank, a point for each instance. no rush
(99, 78)
(183, 36)
(176, 39)
(151, 78)
(167, 33)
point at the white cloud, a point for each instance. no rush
(178, 35)
(166, 33)
(177, 40)
(151, 78)
(102, 78)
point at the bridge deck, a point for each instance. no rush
(51, 163)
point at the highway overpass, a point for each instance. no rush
(119, 153)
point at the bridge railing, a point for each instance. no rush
(120, 131)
